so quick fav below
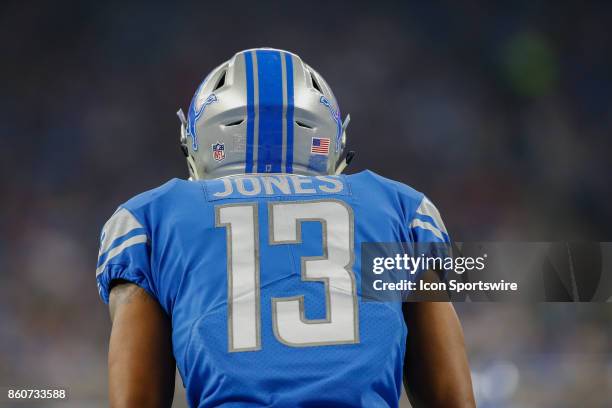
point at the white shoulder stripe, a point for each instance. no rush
(428, 226)
(120, 224)
(137, 239)
(427, 208)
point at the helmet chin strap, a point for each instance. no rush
(193, 170)
(345, 162)
(349, 156)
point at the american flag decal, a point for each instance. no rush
(320, 145)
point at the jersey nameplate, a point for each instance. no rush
(249, 186)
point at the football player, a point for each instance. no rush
(247, 276)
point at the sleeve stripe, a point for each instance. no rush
(416, 223)
(425, 218)
(138, 239)
(119, 241)
(120, 224)
(427, 208)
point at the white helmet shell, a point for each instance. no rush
(263, 111)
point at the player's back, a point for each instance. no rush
(261, 276)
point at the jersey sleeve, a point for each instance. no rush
(124, 253)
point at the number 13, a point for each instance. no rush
(334, 268)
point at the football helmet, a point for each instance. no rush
(263, 111)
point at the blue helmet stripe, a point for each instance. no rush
(248, 62)
(270, 140)
(289, 75)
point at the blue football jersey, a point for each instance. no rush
(260, 275)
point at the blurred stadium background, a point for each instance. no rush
(501, 113)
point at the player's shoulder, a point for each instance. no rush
(422, 215)
(370, 181)
(172, 193)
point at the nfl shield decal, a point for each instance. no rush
(218, 150)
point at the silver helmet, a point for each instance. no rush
(263, 111)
